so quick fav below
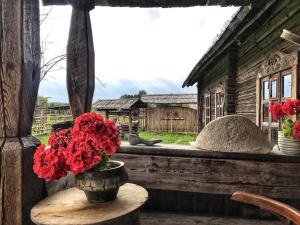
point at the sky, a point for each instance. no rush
(135, 49)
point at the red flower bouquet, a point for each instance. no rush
(88, 145)
(290, 113)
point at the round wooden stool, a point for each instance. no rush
(70, 207)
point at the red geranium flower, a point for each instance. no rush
(77, 149)
(82, 153)
(60, 138)
(90, 123)
(50, 163)
(291, 107)
(296, 130)
(276, 111)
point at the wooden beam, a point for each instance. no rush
(157, 3)
(80, 60)
(209, 174)
(130, 122)
(199, 108)
(20, 189)
(230, 90)
(106, 115)
(291, 37)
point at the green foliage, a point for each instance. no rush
(104, 164)
(170, 137)
(43, 101)
(287, 127)
(138, 95)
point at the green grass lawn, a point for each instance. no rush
(166, 137)
(169, 138)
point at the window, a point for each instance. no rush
(275, 88)
(207, 109)
(287, 86)
(219, 96)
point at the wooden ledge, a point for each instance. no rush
(190, 152)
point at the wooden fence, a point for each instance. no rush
(42, 123)
(171, 119)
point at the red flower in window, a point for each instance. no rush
(296, 130)
(291, 107)
(276, 111)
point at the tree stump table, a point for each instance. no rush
(70, 207)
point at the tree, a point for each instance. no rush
(138, 95)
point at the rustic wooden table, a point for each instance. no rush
(70, 207)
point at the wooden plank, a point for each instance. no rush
(157, 3)
(192, 152)
(11, 61)
(30, 64)
(215, 176)
(11, 183)
(168, 218)
(80, 62)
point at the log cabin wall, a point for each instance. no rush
(258, 47)
(263, 55)
(214, 81)
(255, 52)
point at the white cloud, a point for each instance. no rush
(146, 46)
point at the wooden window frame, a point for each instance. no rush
(219, 108)
(278, 76)
(207, 108)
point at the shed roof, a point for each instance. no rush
(170, 99)
(158, 3)
(240, 27)
(118, 104)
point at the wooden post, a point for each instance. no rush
(81, 58)
(106, 115)
(130, 122)
(199, 102)
(20, 189)
(230, 90)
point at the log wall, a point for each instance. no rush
(242, 64)
(257, 47)
(185, 179)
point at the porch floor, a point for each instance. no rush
(167, 218)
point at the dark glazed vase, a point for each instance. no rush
(102, 186)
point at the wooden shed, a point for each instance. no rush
(171, 112)
(128, 107)
(250, 67)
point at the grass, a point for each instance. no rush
(166, 137)
(43, 138)
(169, 138)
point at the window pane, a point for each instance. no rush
(274, 88)
(265, 112)
(266, 90)
(287, 86)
